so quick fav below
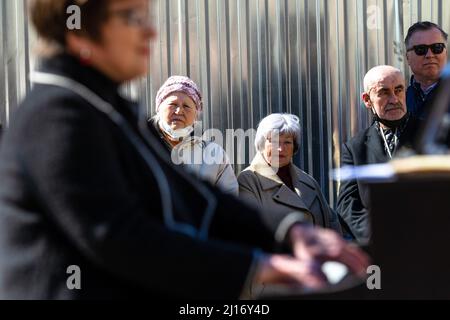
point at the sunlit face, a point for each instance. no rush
(429, 66)
(279, 153)
(387, 96)
(123, 51)
(178, 110)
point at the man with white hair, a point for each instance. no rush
(392, 127)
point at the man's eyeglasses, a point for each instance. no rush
(133, 17)
(422, 49)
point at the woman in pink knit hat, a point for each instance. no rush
(178, 105)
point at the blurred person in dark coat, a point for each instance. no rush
(86, 187)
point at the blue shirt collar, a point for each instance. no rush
(417, 85)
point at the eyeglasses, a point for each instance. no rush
(422, 49)
(133, 17)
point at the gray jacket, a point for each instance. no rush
(208, 161)
(259, 184)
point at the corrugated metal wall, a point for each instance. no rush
(14, 56)
(255, 57)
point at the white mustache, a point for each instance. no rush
(390, 107)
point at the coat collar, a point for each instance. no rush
(416, 85)
(188, 142)
(305, 189)
(70, 66)
(375, 145)
(260, 166)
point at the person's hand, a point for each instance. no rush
(277, 269)
(321, 245)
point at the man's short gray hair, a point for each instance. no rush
(283, 123)
(376, 73)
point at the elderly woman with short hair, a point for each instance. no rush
(275, 184)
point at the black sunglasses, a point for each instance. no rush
(422, 49)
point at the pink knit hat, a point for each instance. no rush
(179, 84)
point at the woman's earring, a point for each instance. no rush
(85, 55)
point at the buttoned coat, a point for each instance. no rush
(367, 147)
(260, 185)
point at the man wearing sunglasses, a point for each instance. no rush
(426, 52)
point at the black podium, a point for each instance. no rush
(411, 236)
(410, 220)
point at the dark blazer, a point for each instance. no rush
(365, 148)
(75, 191)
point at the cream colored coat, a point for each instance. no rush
(259, 184)
(208, 161)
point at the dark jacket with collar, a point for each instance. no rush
(75, 191)
(365, 148)
(416, 101)
(260, 185)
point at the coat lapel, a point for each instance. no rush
(301, 199)
(260, 166)
(375, 146)
(286, 196)
(304, 186)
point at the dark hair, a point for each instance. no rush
(423, 26)
(49, 17)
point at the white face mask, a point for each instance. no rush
(176, 134)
